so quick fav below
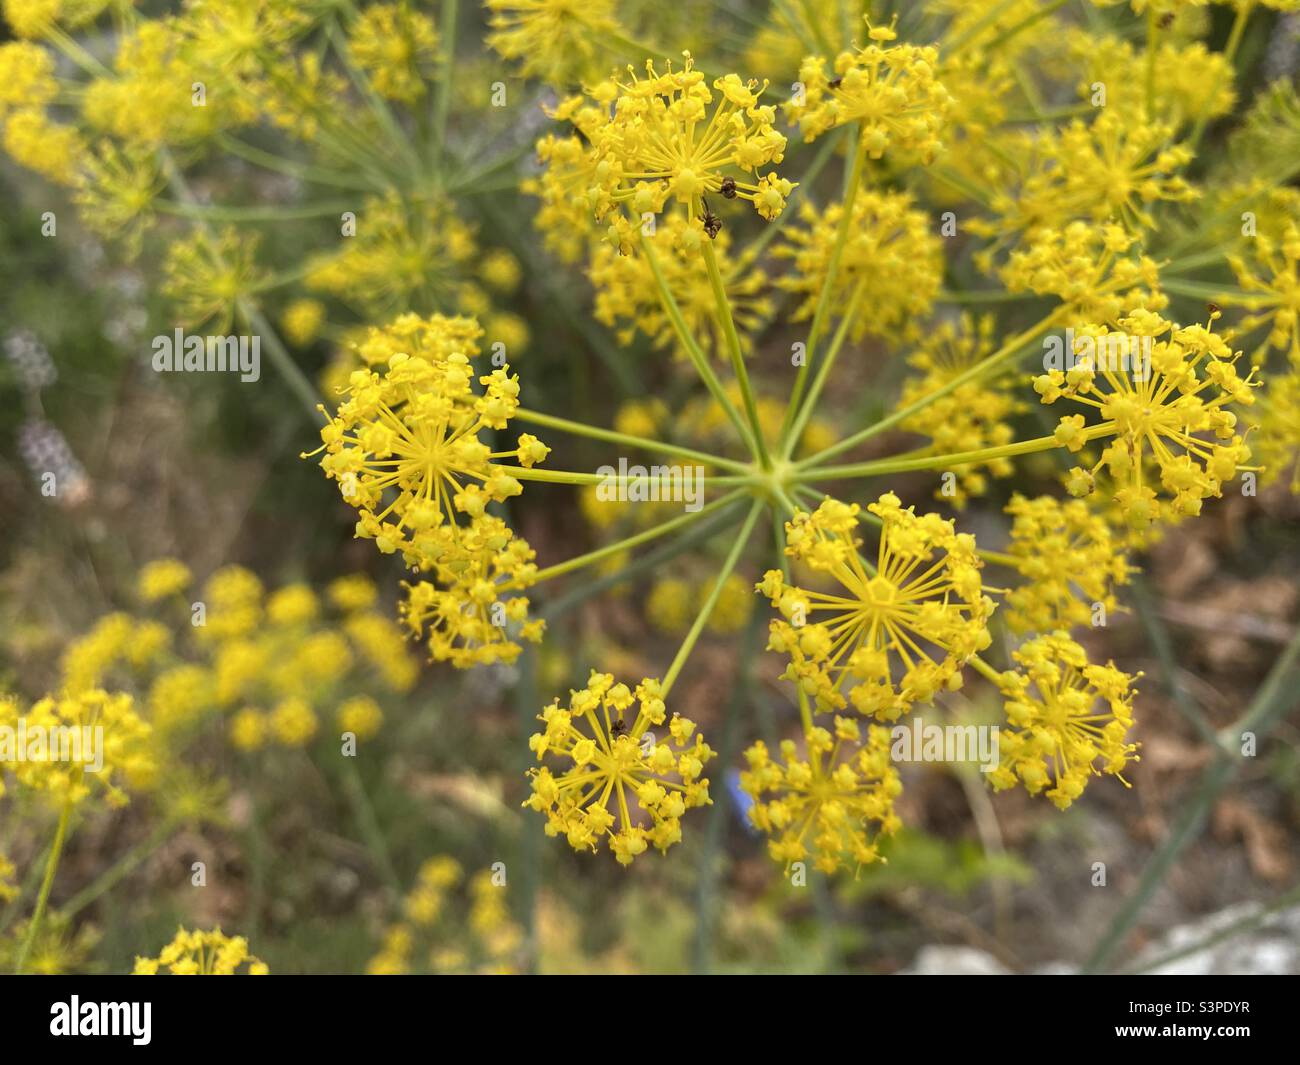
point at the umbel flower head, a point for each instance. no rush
(1072, 562)
(892, 91)
(468, 618)
(822, 803)
(890, 249)
(615, 759)
(1273, 284)
(976, 414)
(898, 631)
(77, 745)
(559, 41)
(404, 445)
(670, 138)
(1168, 421)
(1068, 720)
(203, 954)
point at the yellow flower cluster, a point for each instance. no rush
(203, 954)
(824, 802)
(892, 92)
(397, 47)
(560, 41)
(405, 449)
(237, 649)
(665, 137)
(892, 252)
(486, 940)
(614, 759)
(975, 414)
(76, 746)
(1272, 286)
(1171, 414)
(900, 630)
(1067, 721)
(1071, 560)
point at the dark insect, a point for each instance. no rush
(728, 188)
(1166, 20)
(835, 83)
(1214, 308)
(712, 223)
(618, 728)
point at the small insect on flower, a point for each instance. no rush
(711, 222)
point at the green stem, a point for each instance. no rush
(828, 285)
(627, 543)
(737, 357)
(368, 823)
(303, 171)
(733, 556)
(442, 90)
(522, 473)
(693, 350)
(823, 372)
(932, 462)
(120, 869)
(640, 443)
(268, 212)
(43, 899)
(1244, 10)
(651, 562)
(1009, 349)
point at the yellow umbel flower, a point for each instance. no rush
(903, 628)
(1174, 417)
(1191, 82)
(974, 415)
(233, 600)
(1071, 560)
(203, 954)
(161, 579)
(891, 250)
(32, 18)
(892, 91)
(26, 76)
(208, 276)
(382, 644)
(559, 41)
(302, 321)
(1277, 429)
(294, 722)
(734, 607)
(406, 253)
(48, 148)
(404, 448)
(669, 607)
(292, 605)
(821, 804)
(1272, 282)
(613, 760)
(397, 47)
(1067, 720)
(669, 138)
(354, 592)
(361, 716)
(147, 100)
(77, 746)
(467, 615)
(1095, 270)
